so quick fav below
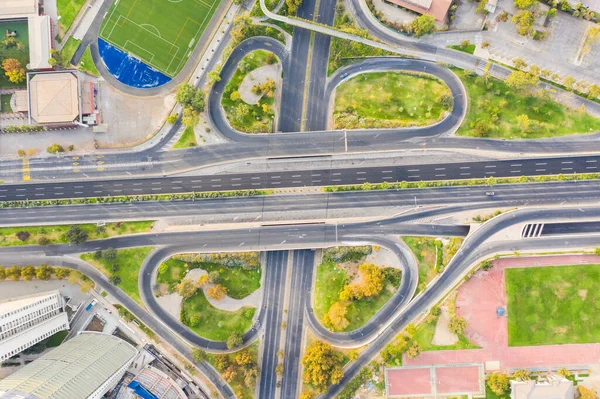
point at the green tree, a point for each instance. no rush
(569, 82)
(61, 273)
(184, 95)
(190, 117)
(28, 273)
(498, 383)
(44, 272)
(457, 325)
(55, 149)
(322, 366)
(523, 122)
(172, 118)
(522, 375)
(234, 340)
(524, 20)
(199, 355)
(115, 280)
(109, 254)
(423, 25)
(279, 369)
(519, 63)
(563, 372)
(292, 6)
(186, 288)
(524, 3)
(76, 235)
(520, 80)
(213, 76)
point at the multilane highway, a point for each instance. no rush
(302, 178)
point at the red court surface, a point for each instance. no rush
(477, 301)
(434, 381)
(457, 379)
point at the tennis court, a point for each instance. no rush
(161, 33)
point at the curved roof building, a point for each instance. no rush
(86, 366)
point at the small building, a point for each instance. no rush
(27, 320)
(558, 388)
(436, 8)
(54, 97)
(86, 366)
(18, 9)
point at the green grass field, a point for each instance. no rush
(389, 99)
(129, 261)
(187, 139)
(70, 48)
(68, 10)
(213, 323)
(553, 305)
(494, 108)
(160, 33)
(5, 103)
(20, 53)
(86, 64)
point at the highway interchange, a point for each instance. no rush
(311, 219)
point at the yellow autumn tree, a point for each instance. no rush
(335, 318)
(322, 366)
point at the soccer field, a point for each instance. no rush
(161, 33)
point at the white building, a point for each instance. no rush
(26, 320)
(555, 388)
(85, 367)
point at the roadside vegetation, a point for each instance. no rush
(122, 267)
(238, 273)
(129, 317)
(391, 99)
(349, 291)
(568, 293)
(343, 52)
(432, 256)
(515, 109)
(86, 64)
(251, 118)
(69, 49)
(323, 366)
(187, 139)
(57, 234)
(240, 369)
(45, 273)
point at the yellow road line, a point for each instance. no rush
(26, 171)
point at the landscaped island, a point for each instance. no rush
(391, 99)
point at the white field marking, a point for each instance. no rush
(196, 36)
(141, 48)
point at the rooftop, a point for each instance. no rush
(54, 97)
(40, 42)
(553, 389)
(75, 369)
(9, 304)
(18, 8)
(436, 8)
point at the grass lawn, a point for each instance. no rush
(239, 282)
(469, 49)
(129, 261)
(213, 323)
(20, 53)
(424, 249)
(86, 63)
(553, 305)
(330, 282)
(389, 99)
(67, 11)
(425, 334)
(56, 234)
(5, 103)
(494, 107)
(70, 48)
(160, 33)
(187, 139)
(57, 339)
(246, 117)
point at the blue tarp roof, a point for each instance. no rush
(141, 391)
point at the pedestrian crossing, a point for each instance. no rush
(532, 230)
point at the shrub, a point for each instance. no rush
(43, 241)
(23, 235)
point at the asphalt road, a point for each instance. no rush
(301, 178)
(273, 303)
(554, 229)
(301, 286)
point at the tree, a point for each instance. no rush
(306, 395)
(23, 235)
(586, 393)
(485, 44)
(61, 273)
(202, 281)
(486, 265)
(185, 94)
(371, 283)
(457, 325)
(55, 149)
(322, 366)
(563, 372)
(13, 273)
(413, 350)
(86, 286)
(464, 44)
(423, 25)
(523, 122)
(498, 383)
(172, 118)
(186, 288)
(520, 80)
(213, 76)
(198, 355)
(279, 369)
(115, 280)
(234, 340)
(14, 70)
(28, 273)
(335, 318)
(569, 81)
(524, 3)
(76, 235)
(2, 273)
(217, 292)
(593, 91)
(522, 375)
(58, 58)
(190, 117)
(214, 277)
(21, 153)
(109, 254)
(519, 63)
(43, 241)
(198, 101)
(293, 5)
(524, 20)
(235, 95)
(44, 272)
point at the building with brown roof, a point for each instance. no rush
(436, 8)
(54, 97)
